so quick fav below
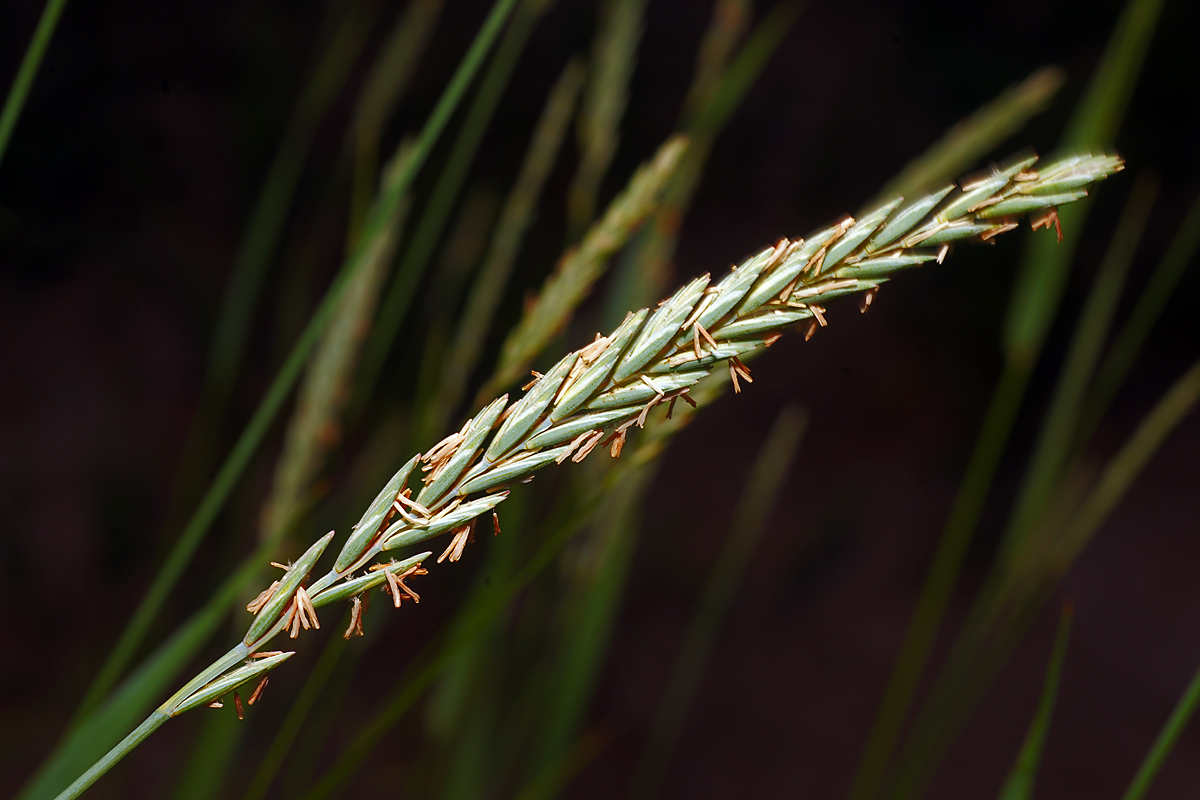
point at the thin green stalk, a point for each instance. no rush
(1019, 784)
(428, 229)
(23, 81)
(1167, 737)
(230, 331)
(1140, 322)
(387, 81)
(91, 738)
(614, 54)
(1052, 452)
(759, 496)
(136, 737)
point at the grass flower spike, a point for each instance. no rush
(595, 396)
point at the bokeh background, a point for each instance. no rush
(123, 195)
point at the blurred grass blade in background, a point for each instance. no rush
(1058, 433)
(1043, 271)
(427, 231)
(614, 56)
(718, 87)
(1181, 715)
(760, 494)
(581, 266)
(962, 146)
(1020, 781)
(597, 574)
(387, 81)
(315, 427)
(313, 431)
(1139, 322)
(23, 81)
(486, 292)
(1011, 597)
(232, 326)
(1094, 122)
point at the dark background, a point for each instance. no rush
(129, 180)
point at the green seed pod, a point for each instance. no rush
(367, 527)
(661, 328)
(362, 583)
(441, 524)
(230, 681)
(524, 414)
(594, 376)
(477, 431)
(273, 610)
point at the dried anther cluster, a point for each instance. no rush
(595, 395)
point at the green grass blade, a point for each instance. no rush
(555, 776)
(1031, 310)
(274, 202)
(588, 614)
(595, 592)
(962, 146)
(1059, 430)
(233, 320)
(614, 55)
(515, 218)
(387, 81)
(1095, 123)
(1012, 597)
(1172, 730)
(938, 585)
(437, 657)
(1121, 470)
(1141, 319)
(23, 81)
(428, 229)
(717, 89)
(593, 595)
(759, 496)
(1019, 784)
(321, 398)
(580, 267)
